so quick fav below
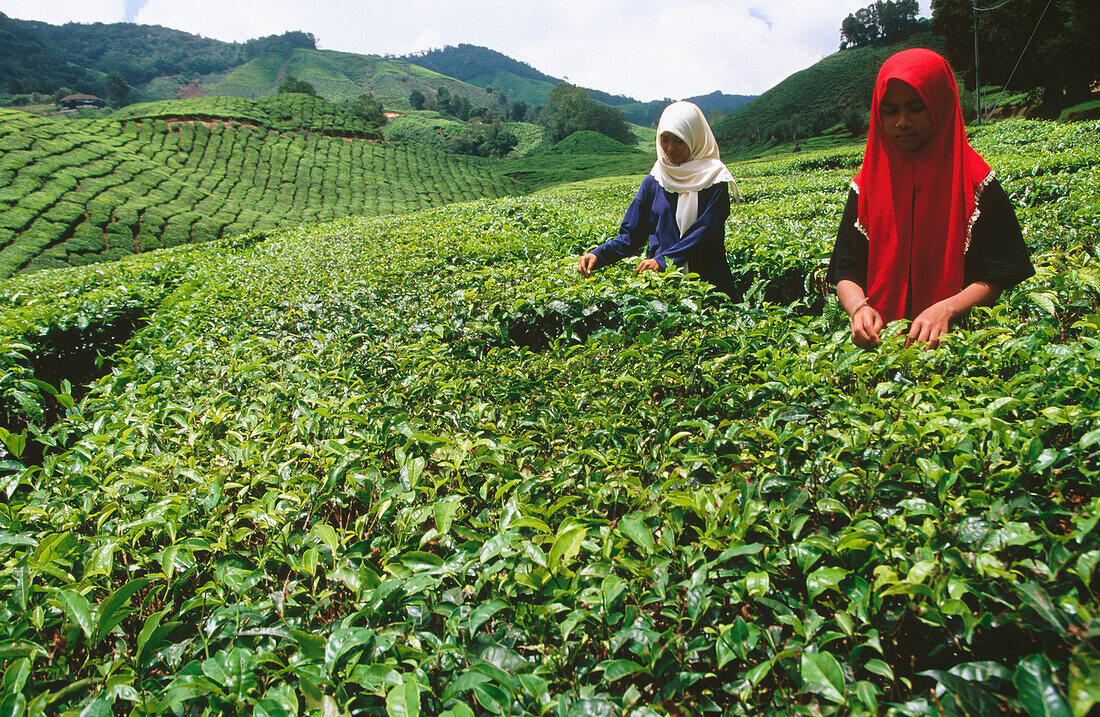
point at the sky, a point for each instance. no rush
(640, 48)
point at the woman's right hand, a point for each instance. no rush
(586, 263)
(866, 323)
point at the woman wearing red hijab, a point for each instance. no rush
(928, 233)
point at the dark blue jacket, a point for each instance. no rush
(650, 222)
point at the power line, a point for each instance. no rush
(1019, 59)
(974, 4)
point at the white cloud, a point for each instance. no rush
(642, 48)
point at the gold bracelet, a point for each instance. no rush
(860, 305)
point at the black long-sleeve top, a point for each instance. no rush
(650, 222)
(997, 253)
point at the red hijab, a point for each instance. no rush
(915, 207)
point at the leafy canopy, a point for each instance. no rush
(570, 109)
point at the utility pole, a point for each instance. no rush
(977, 71)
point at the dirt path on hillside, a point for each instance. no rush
(282, 71)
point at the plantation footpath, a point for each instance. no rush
(192, 171)
(415, 464)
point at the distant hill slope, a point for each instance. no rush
(822, 94)
(83, 191)
(647, 114)
(165, 64)
(484, 67)
(336, 76)
(30, 62)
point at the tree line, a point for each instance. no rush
(886, 22)
(1048, 47)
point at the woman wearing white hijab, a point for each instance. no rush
(681, 207)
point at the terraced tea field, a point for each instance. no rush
(415, 464)
(86, 191)
(287, 112)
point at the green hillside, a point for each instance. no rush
(822, 94)
(589, 142)
(417, 465)
(488, 68)
(335, 75)
(435, 129)
(580, 156)
(90, 190)
(288, 112)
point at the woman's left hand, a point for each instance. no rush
(648, 265)
(932, 323)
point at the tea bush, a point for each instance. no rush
(416, 465)
(155, 180)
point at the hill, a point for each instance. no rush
(416, 465)
(484, 67)
(581, 156)
(163, 64)
(589, 142)
(440, 131)
(340, 76)
(285, 112)
(822, 95)
(175, 173)
(647, 114)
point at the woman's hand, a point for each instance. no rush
(866, 324)
(932, 323)
(866, 321)
(935, 321)
(648, 265)
(586, 263)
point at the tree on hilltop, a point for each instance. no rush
(889, 21)
(284, 43)
(570, 109)
(368, 108)
(291, 84)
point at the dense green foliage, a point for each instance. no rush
(474, 64)
(822, 94)
(29, 63)
(1050, 45)
(569, 109)
(890, 21)
(446, 133)
(88, 190)
(415, 465)
(39, 57)
(292, 85)
(368, 109)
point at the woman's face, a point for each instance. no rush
(905, 118)
(675, 149)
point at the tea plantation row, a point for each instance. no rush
(283, 112)
(416, 465)
(89, 190)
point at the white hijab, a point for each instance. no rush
(703, 167)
